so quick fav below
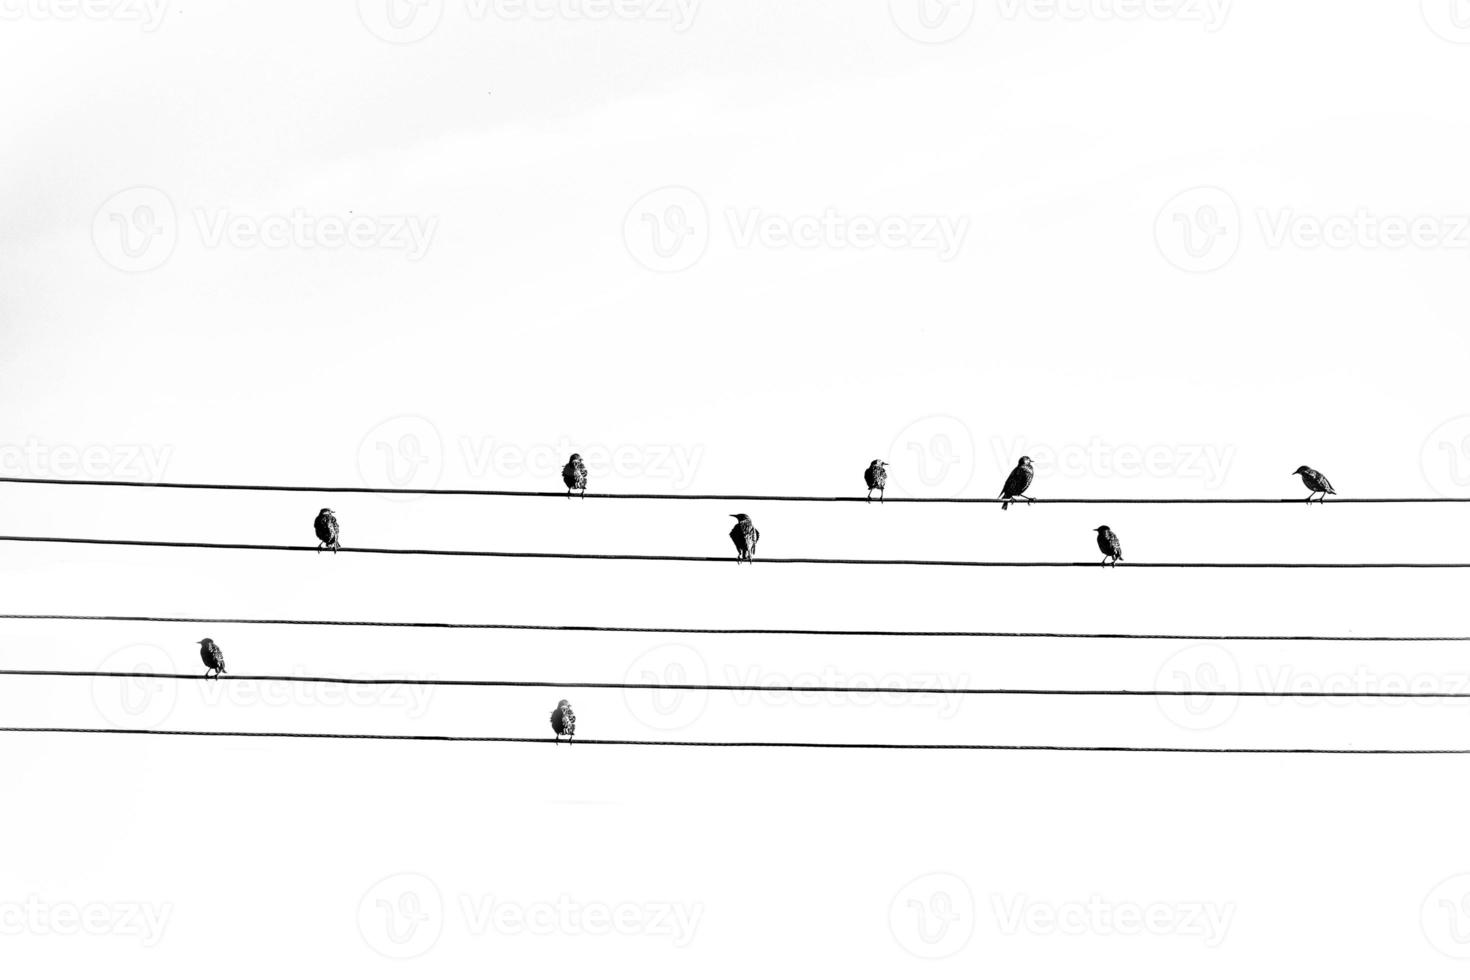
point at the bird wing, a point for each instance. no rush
(1016, 483)
(754, 537)
(1115, 545)
(870, 477)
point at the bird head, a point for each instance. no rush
(741, 517)
(576, 458)
(1103, 528)
(563, 703)
(877, 462)
(1300, 470)
(1024, 461)
(205, 642)
(328, 510)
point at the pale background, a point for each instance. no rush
(1132, 292)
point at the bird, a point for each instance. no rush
(876, 476)
(745, 536)
(213, 657)
(563, 722)
(1316, 482)
(1018, 483)
(1107, 543)
(574, 475)
(327, 530)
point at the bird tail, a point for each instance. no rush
(1005, 504)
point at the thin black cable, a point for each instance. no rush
(760, 688)
(1186, 750)
(933, 562)
(434, 491)
(741, 631)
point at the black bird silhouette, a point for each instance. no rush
(1316, 482)
(1018, 483)
(876, 476)
(574, 475)
(1107, 543)
(745, 536)
(327, 530)
(212, 656)
(563, 722)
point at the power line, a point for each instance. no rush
(930, 562)
(374, 736)
(759, 688)
(743, 631)
(789, 498)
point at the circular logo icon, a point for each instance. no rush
(1444, 459)
(932, 21)
(1445, 917)
(1450, 19)
(933, 916)
(400, 21)
(1199, 229)
(667, 230)
(1202, 671)
(136, 702)
(401, 916)
(934, 456)
(401, 453)
(136, 230)
(664, 709)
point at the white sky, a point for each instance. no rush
(1063, 166)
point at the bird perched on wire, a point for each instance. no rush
(213, 657)
(1107, 543)
(327, 530)
(745, 536)
(563, 722)
(574, 475)
(876, 476)
(1018, 483)
(1316, 482)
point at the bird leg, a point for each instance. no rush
(870, 495)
